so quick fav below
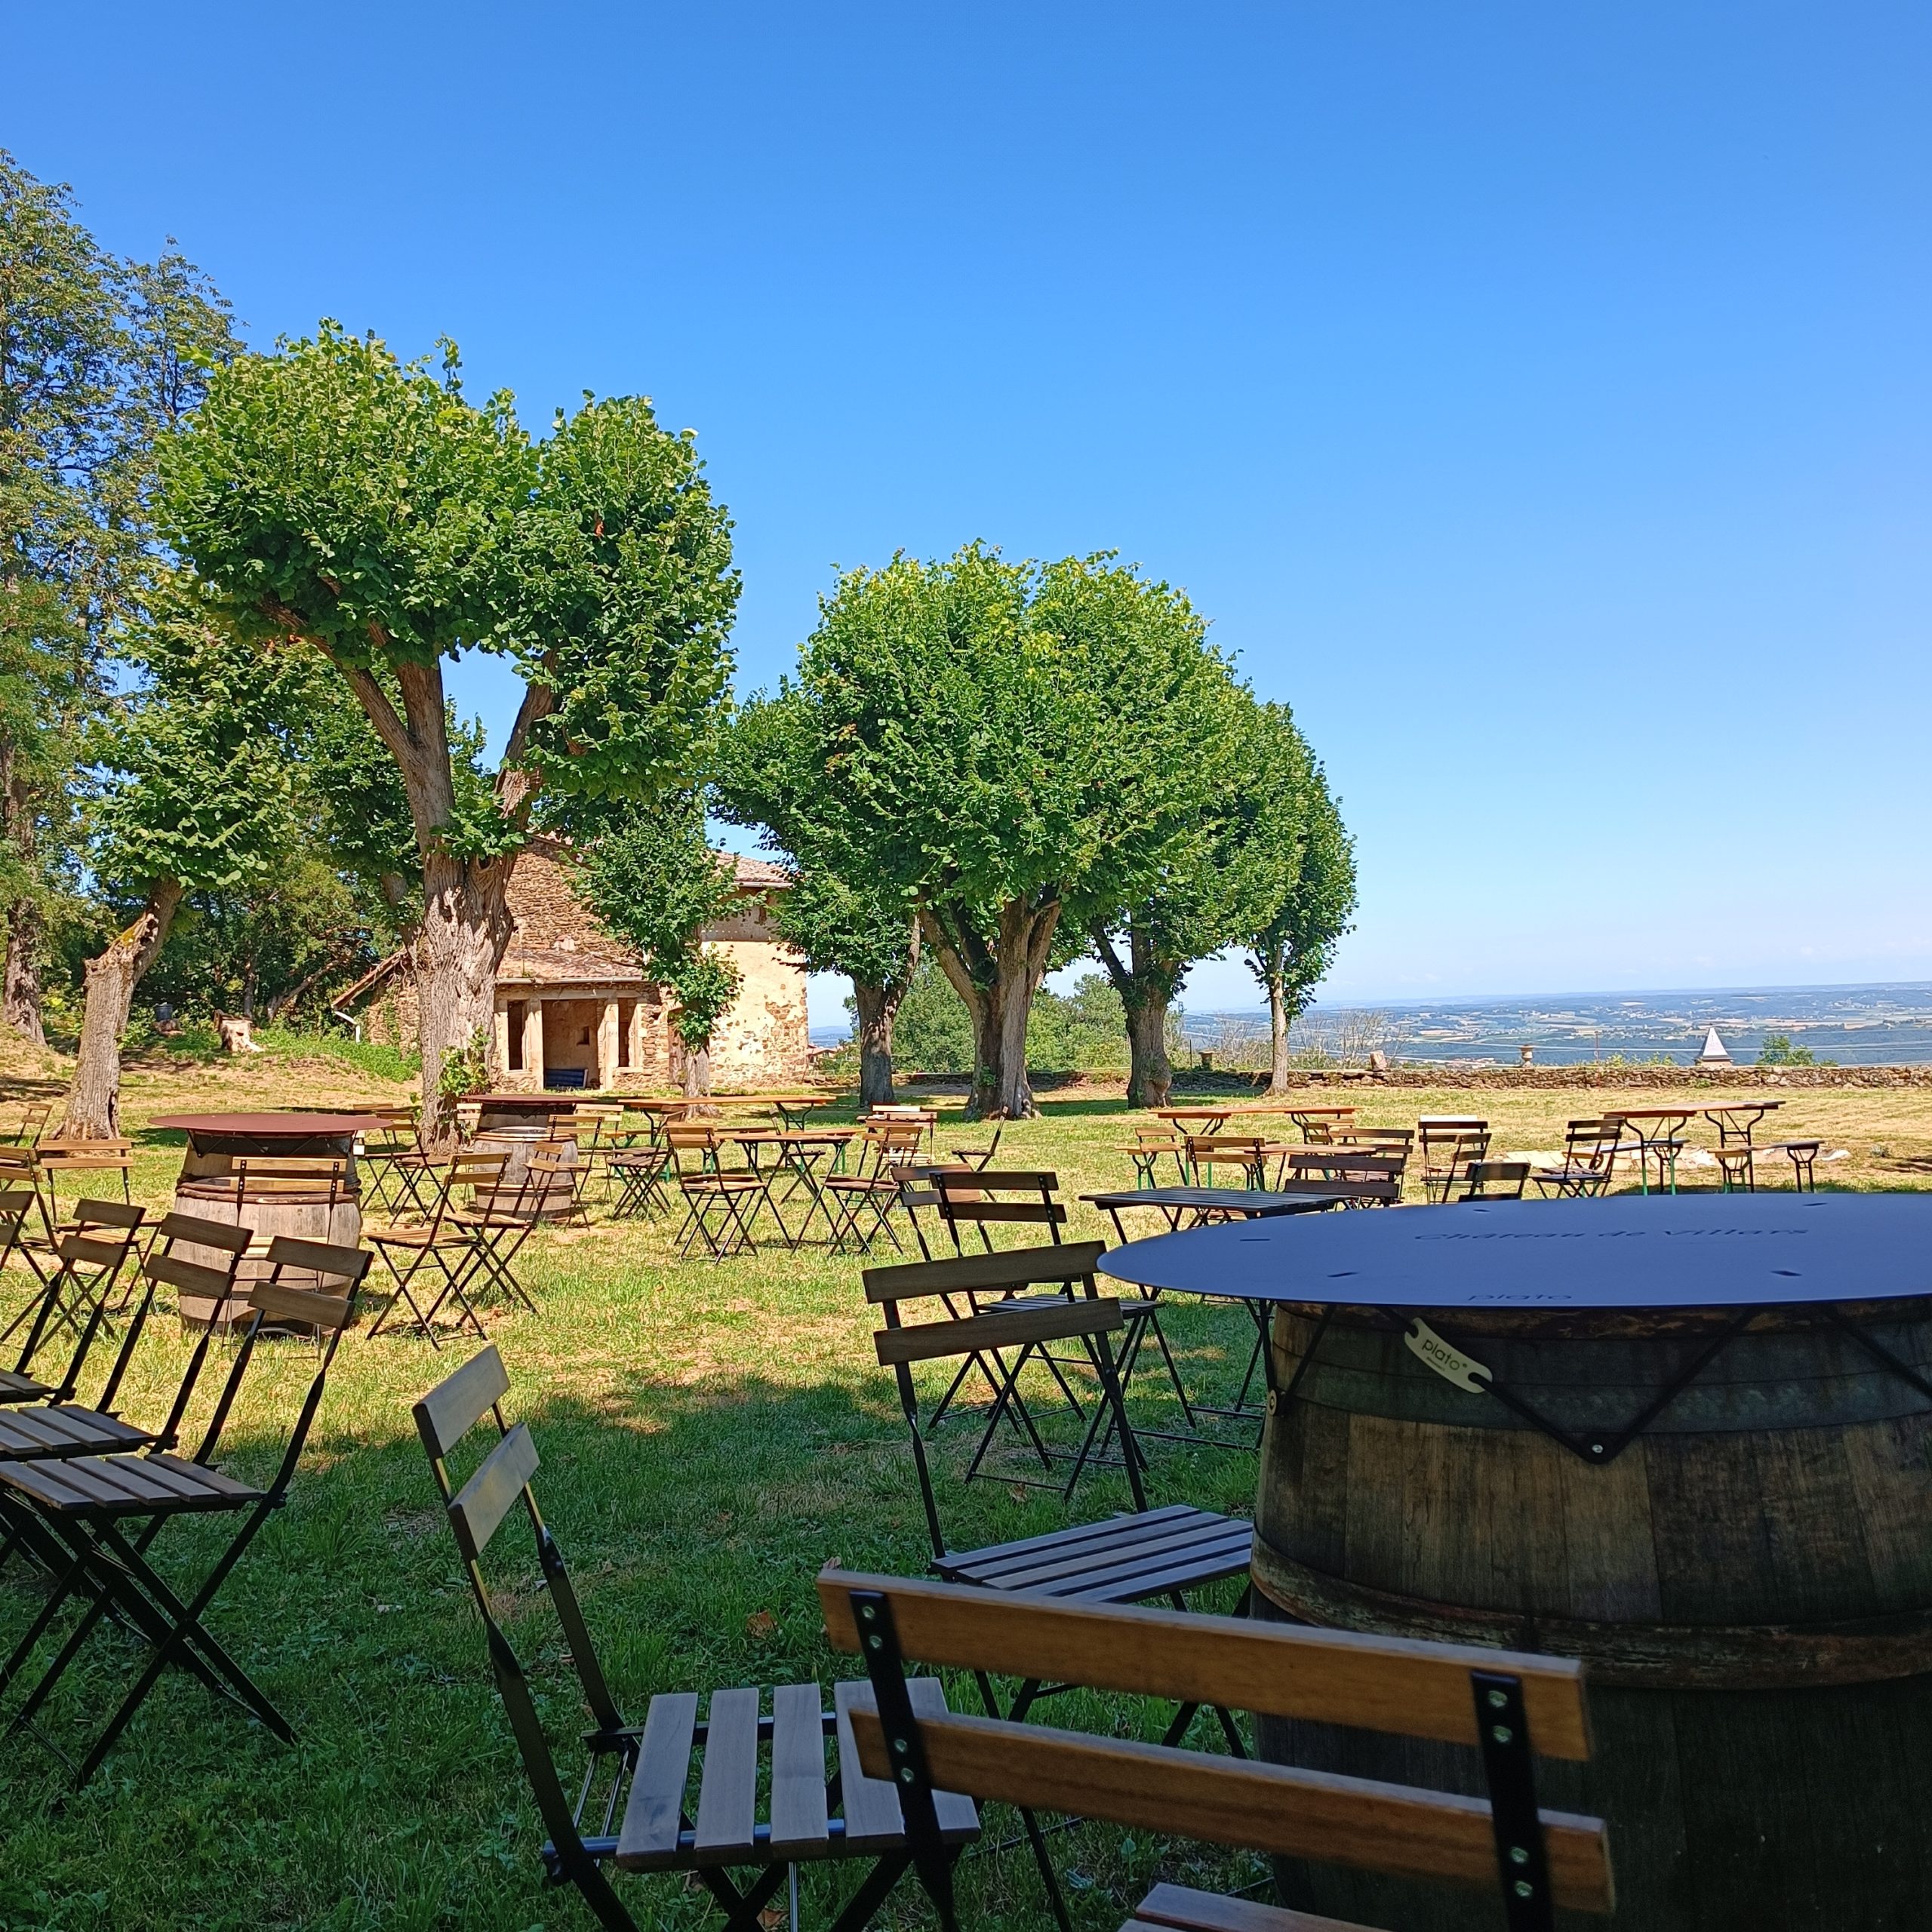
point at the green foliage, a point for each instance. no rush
(1081, 1031)
(932, 1032)
(98, 355)
(654, 883)
(465, 1069)
(1287, 834)
(195, 783)
(333, 492)
(1776, 1049)
(621, 603)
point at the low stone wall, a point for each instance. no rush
(1532, 1078)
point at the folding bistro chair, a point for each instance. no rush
(641, 1174)
(33, 1123)
(977, 1157)
(872, 1187)
(648, 1769)
(441, 1253)
(1364, 1177)
(1511, 1708)
(1129, 1558)
(1450, 1142)
(501, 1217)
(393, 1163)
(1590, 1148)
(721, 1203)
(109, 1510)
(1149, 1147)
(1245, 1152)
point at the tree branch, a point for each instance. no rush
(517, 785)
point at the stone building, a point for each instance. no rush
(573, 1008)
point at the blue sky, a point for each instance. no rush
(1538, 399)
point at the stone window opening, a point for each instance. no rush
(514, 1016)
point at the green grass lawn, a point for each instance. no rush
(711, 1435)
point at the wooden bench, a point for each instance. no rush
(1510, 1706)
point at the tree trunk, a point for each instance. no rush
(1149, 1076)
(997, 983)
(877, 1008)
(20, 996)
(1277, 1035)
(697, 1072)
(20, 992)
(466, 927)
(94, 1099)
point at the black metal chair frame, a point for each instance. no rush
(572, 1854)
(453, 1253)
(87, 1502)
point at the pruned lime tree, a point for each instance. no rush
(655, 884)
(193, 792)
(334, 496)
(1300, 862)
(839, 914)
(1011, 748)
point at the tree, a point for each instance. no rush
(654, 883)
(1204, 897)
(332, 494)
(97, 357)
(1009, 743)
(194, 794)
(839, 913)
(1301, 859)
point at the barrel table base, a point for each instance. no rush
(1749, 1580)
(338, 1220)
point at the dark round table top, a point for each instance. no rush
(271, 1126)
(1629, 1251)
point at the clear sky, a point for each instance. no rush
(1538, 398)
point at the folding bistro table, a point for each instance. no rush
(1682, 1438)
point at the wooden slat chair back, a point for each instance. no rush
(63, 1426)
(79, 1269)
(1087, 1320)
(83, 1162)
(1510, 1706)
(1149, 1147)
(558, 1170)
(1388, 1139)
(31, 1123)
(18, 1205)
(1495, 1181)
(976, 1157)
(1364, 1177)
(646, 1769)
(108, 1510)
(971, 1198)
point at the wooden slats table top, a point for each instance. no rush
(656, 1836)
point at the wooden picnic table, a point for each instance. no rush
(1664, 1435)
(795, 1147)
(1736, 1120)
(1214, 1118)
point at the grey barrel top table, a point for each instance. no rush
(1686, 1438)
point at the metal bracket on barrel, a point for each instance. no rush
(1598, 1447)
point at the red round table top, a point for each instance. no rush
(271, 1126)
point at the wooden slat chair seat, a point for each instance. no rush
(1511, 1707)
(720, 1202)
(104, 1513)
(1145, 1552)
(435, 1259)
(733, 1788)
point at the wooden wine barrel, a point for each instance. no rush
(1749, 1582)
(318, 1213)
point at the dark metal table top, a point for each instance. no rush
(1628, 1252)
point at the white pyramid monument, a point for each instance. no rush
(1715, 1054)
